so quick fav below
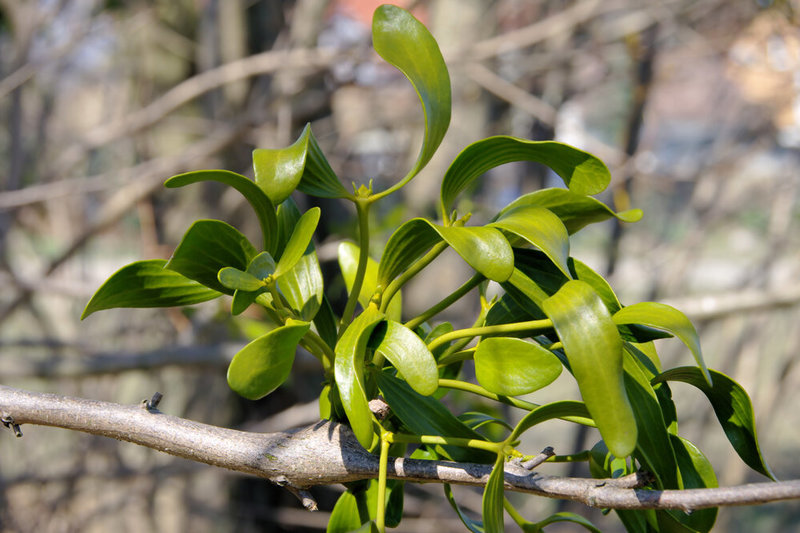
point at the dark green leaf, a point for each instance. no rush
(265, 210)
(424, 415)
(302, 286)
(667, 318)
(474, 526)
(147, 284)
(548, 412)
(263, 365)
(541, 228)
(206, 248)
(298, 243)
(575, 210)
(319, 179)
(582, 172)
(348, 263)
(349, 372)
(477, 420)
(405, 43)
(409, 355)
(406, 245)
(326, 322)
(357, 507)
(594, 349)
(696, 473)
(278, 172)
(288, 215)
(493, 499)
(733, 409)
(568, 517)
(603, 463)
(511, 367)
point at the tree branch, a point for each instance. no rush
(328, 453)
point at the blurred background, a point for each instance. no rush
(693, 104)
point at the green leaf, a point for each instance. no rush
(493, 498)
(405, 43)
(348, 263)
(206, 248)
(594, 349)
(265, 211)
(541, 228)
(409, 355)
(407, 244)
(568, 517)
(424, 415)
(326, 322)
(298, 243)
(603, 463)
(733, 409)
(357, 507)
(303, 287)
(473, 525)
(263, 365)
(236, 280)
(477, 420)
(319, 179)
(582, 172)
(547, 412)
(667, 318)
(575, 210)
(349, 372)
(278, 172)
(696, 473)
(261, 267)
(147, 284)
(511, 367)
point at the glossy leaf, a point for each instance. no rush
(348, 264)
(206, 248)
(424, 415)
(511, 367)
(357, 506)
(477, 420)
(265, 210)
(303, 287)
(288, 214)
(594, 350)
(696, 473)
(407, 244)
(318, 178)
(349, 372)
(667, 318)
(541, 228)
(409, 355)
(484, 249)
(147, 284)
(582, 172)
(298, 243)
(261, 267)
(548, 412)
(733, 409)
(235, 280)
(474, 526)
(263, 365)
(493, 499)
(278, 172)
(576, 210)
(326, 322)
(405, 43)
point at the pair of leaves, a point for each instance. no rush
(357, 506)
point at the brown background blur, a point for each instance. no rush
(693, 104)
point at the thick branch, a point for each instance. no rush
(327, 453)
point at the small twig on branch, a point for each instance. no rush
(328, 453)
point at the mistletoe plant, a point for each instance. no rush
(554, 313)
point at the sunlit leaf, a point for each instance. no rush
(318, 178)
(298, 243)
(667, 318)
(348, 264)
(349, 372)
(548, 412)
(475, 526)
(733, 409)
(594, 349)
(260, 267)
(493, 499)
(582, 172)
(263, 365)
(206, 248)
(406, 245)
(696, 473)
(409, 355)
(541, 228)
(405, 43)
(235, 280)
(477, 420)
(265, 210)
(575, 210)
(147, 284)
(511, 367)
(303, 287)
(278, 172)
(357, 507)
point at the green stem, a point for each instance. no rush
(494, 447)
(362, 209)
(325, 354)
(463, 355)
(380, 512)
(409, 273)
(516, 327)
(514, 514)
(571, 458)
(470, 284)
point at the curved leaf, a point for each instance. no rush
(298, 243)
(696, 473)
(511, 367)
(206, 248)
(349, 373)
(348, 263)
(319, 179)
(288, 214)
(405, 43)
(667, 318)
(303, 287)
(594, 349)
(493, 499)
(265, 210)
(235, 280)
(263, 365)
(278, 172)
(541, 228)
(261, 267)
(547, 412)
(582, 172)
(357, 507)
(568, 517)
(472, 525)
(574, 209)
(409, 355)
(733, 409)
(147, 284)
(406, 245)
(484, 249)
